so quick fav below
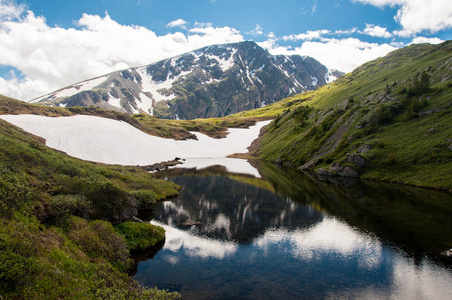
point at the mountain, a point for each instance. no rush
(390, 119)
(210, 82)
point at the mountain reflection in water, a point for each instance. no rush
(290, 236)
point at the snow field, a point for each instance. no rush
(115, 142)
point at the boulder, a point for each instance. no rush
(336, 167)
(349, 172)
(364, 148)
(323, 172)
(357, 160)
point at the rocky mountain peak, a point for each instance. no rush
(213, 81)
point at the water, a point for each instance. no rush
(290, 236)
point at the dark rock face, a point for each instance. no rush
(213, 81)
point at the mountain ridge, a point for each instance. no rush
(213, 81)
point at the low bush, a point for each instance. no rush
(145, 198)
(99, 239)
(61, 206)
(140, 236)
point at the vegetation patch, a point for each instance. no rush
(140, 236)
(57, 239)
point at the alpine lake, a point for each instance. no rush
(276, 233)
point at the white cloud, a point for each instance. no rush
(256, 31)
(417, 16)
(342, 54)
(51, 57)
(202, 25)
(346, 32)
(377, 31)
(177, 23)
(9, 11)
(309, 35)
(422, 40)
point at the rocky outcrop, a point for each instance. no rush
(349, 167)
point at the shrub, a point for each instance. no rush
(15, 270)
(61, 206)
(99, 239)
(145, 198)
(140, 236)
(13, 195)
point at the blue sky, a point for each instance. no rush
(46, 45)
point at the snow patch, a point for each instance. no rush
(329, 77)
(225, 64)
(116, 142)
(79, 87)
(145, 103)
(148, 85)
(314, 81)
(113, 101)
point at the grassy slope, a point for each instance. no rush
(378, 103)
(56, 239)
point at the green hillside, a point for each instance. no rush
(64, 229)
(390, 119)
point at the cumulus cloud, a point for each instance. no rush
(422, 40)
(309, 35)
(342, 54)
(377, 31)
(177, 23)
(417, 16)
(51, 57)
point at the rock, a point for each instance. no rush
(163, 165)
(137, 220)
(190, 223)
(349, 172)
(358, 160)
(336, 167)
(323, 172)
(447, 253)
(364, 148)
(307, 166)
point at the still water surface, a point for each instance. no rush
(287, 235)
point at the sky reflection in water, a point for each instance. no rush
(252, 243)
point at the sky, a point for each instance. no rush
(46, 45)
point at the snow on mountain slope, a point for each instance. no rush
(114, 142)
(213, 81)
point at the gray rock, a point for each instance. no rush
(336, 167)
(307, 166)
(358, 160)
(364, 148)
(349, 172)
(323, 172)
